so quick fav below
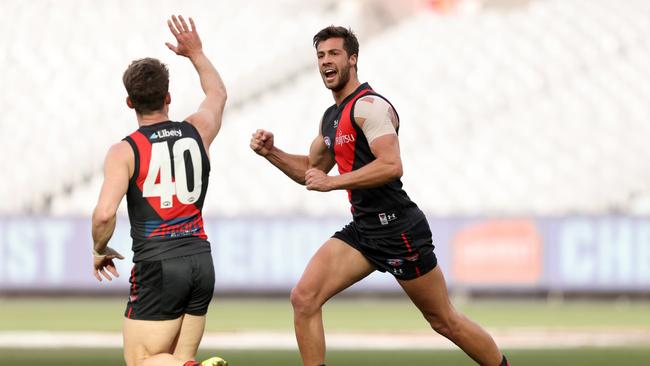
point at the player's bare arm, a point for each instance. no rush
(118, 167)
(319, 156)
(294, 166)
(207, 119)
(378, 122)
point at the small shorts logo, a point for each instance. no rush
(336, 123)
(327, 141)
(412, 258)
(384, 218)
(395, 262)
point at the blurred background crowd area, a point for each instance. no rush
(524, 128)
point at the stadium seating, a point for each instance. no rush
(541, 109)
(61, 79)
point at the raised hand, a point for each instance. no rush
(262, 142)
(186, 36)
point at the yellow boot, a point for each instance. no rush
(214, 361)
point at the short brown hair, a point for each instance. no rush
(146, 81)
(350, 42)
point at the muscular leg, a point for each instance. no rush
(189, 337)
(429, 294)
(334, 267)
(149, 342)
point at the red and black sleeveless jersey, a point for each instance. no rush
(372, 208)
(167, 190)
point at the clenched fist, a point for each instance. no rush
(317, 180)
(262, 142)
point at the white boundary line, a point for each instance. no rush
(530, 338)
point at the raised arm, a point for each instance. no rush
(207, 119)
(118, 167)
(294, 166)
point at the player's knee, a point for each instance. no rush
(132, 360)
(134, 356)
(304, 302)
(446, 325)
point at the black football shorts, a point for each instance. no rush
(406, 255)
(168, 288)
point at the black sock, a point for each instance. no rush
(504, 362)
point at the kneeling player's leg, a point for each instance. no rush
(429, 294)
(189, 337)
(193, 325)
(334, 267)
(165, 343)
(149, 342)
(157, 320)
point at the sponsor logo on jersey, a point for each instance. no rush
(327, 141)
(175, 228)
(165, 133)
(344, 139)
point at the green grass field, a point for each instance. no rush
(105, 314)
(341, 315)
(551, 357)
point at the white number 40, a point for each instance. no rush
(162, 163)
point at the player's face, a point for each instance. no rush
(334, 63)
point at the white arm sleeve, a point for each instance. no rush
(378, 117)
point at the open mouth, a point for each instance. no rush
(330, 74)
